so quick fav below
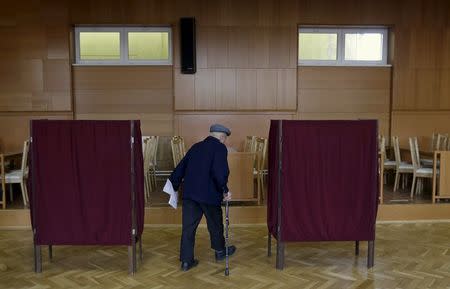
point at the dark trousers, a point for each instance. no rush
(192, 214)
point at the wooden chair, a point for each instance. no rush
(153, 150)
(441, 176)
(419, 170)
(443, 142)
(260, 165)
(178, 149)
(434, 137)
(387, 163)
(144, 138)
(400, 166)
(147, 182)
(250, 144)
(16, 176)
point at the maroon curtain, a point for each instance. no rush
(329, 180)
(81, 182)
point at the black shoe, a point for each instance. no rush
(220, 255)
(185, 266)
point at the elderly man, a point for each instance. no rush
(205, 173)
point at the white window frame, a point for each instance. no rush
(123, 45)
(340, 53)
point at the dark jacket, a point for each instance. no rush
(205, 172)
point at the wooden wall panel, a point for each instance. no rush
(226, 89)
(184, 90)
(243, 49)
(151, 123)
(217, 47)
(246, 89)
(126, 92)
(120, 77)
(259, 48)
(444, 88)
(446, 48)
(266, 89)
(205, 90)
(343, 90)
(345, 93)
(421, 60)
(383, 118)
(129, 89)
(15, 128)
(422, 124)
(33, 53)
(239, 47)
(287, 89)
(195, 126)
(236, 89)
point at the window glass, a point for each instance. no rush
(364, 46)
(148, 45)
(99, 45)
(317, 46)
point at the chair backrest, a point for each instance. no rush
(261, 153)
(24, 167)
(146, 154)
(250, 143)
(178, 149)
(382, 144)
(434, 141)
(414, 148)
(448, 144)
(153, 140)
(443, 140)
(143, 143)
(396, 145)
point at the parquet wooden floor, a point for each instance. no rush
(407, 256)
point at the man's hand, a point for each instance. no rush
(227, 196)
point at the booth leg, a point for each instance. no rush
(50, 252)
(370, 254)
(141, 254)
(269, 244)
(280, 255)
(132, 259)
(37, 259)
(356, 248)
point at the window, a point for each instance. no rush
(342, 46)
(123, 45)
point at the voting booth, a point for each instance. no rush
(323, 183)
(86, 185)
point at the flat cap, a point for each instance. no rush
(220, 128)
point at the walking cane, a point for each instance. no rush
(227, 222)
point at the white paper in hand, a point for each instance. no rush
(168, 188)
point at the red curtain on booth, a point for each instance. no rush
(329, 180)
(82, 182)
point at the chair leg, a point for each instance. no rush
(419, 186)
(146, 188)
(258, 180)
(3, 196)
(153, 176)
(412, 186)
(24, 192)
(11, 193)
(263, 188)
(397, 176)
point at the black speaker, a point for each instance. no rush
(188, 45)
